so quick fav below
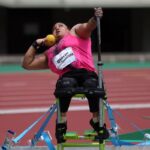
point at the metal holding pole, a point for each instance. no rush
(100, 80)
(99, 52)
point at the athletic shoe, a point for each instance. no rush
(61, 129)
(101, 131)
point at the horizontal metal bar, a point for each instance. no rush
(80, 144)
(79, 138)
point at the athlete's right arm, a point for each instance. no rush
(33, 62)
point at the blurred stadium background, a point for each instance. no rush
(125, 25)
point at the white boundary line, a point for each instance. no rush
(72, 108)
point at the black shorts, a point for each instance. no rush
(80, 76)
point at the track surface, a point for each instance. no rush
(24, 97)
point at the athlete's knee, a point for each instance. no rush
(66, 83)
(64, 87)
(91, 83)
(92, 86)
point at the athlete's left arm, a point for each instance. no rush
(84, 30)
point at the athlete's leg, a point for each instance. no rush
(62, 87)
(93, 101)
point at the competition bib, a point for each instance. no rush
(64, 58)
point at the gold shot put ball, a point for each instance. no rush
(50, 40)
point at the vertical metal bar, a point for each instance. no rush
(59, 119)
(100, 79)
(60, 147)
(99, 51)
(100, 75)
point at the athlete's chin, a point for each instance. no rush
(60, 36)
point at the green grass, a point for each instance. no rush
(116, 65)
(15, 68)
(139, 135)
(11, 68)
(126, 65)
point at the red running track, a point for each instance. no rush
(24, 97)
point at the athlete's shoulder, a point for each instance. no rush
(74, 29)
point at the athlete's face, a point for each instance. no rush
(60, 30)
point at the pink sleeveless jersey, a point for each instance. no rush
(81, 49)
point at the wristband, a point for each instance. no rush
(35, 45)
